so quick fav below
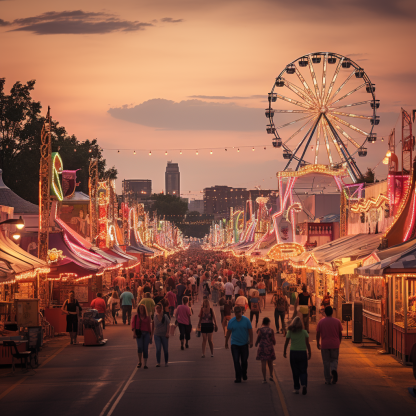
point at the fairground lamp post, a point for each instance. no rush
(19, 223)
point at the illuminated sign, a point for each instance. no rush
(57, 166)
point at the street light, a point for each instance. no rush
(19, 223)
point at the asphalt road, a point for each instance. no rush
(104, 381)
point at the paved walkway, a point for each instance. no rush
(104, 381)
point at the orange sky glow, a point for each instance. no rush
(92, 56)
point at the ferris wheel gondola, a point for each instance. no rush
(323, 112)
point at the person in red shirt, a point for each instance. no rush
(329, 330)
(99, 304)
(171, 298)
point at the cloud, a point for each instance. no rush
(170, 20)
(192, 115)
(79, 22)
(223, 97)
(402, 9)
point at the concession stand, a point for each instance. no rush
(396, 270)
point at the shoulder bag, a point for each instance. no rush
(138, 331)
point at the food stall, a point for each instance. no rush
(393, 280)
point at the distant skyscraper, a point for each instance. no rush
(172, 180)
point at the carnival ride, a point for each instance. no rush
(324, 111)
(337, 111)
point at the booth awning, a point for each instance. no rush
(15, 260)
(349, 267)
(401, 260)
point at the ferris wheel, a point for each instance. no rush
(313, 120)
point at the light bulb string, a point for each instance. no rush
(186, 149)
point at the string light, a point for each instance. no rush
(210, 152)
(118, 151)
(32, 273)
(197, 152)
(134, 152)
(180, 152)
(252, 149)
(89, 150)
(150, 153)
(238, 150)
(166, 153)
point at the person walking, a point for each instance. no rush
(255, 308)
(207, 323)
(302, 306)
(183, 320)
(242, 301)
(261, 287)
(241, 333)
(299, 344)
(142, 332)
(281, 307)
(265, 352)
(328, 340)
(149, 303)
(171, 298)
(127, 302)
(215, 292)
(99, 304)
(72, 309)
(229, 290)
(228, 307)
(161, 334)
(114, 305)
(180, 291)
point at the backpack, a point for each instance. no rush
(255, 306)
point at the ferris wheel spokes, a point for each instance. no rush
(345, 123)
(315, 82)
(292, 101)
(345, 134)
(348, 94)
(293, 154)
(334, 78)
(309, 140)
(298, 92)
(324, 79)
(328, 149)
(298, 131)
(293, 122)
(318, 137)
(352, 105)
(356, 173)
(307, 88)
(330, 99)
(340, 113)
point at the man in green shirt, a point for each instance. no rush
(149, 303)
(127, 303)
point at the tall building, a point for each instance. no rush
(196, 205)
(219, 199)
(172, 180)
(137, 188)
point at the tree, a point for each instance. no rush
(169, 206)
(20, 129)
(369, 176)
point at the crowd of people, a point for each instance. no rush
(166, 298)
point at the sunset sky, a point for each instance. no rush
(192, 74)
